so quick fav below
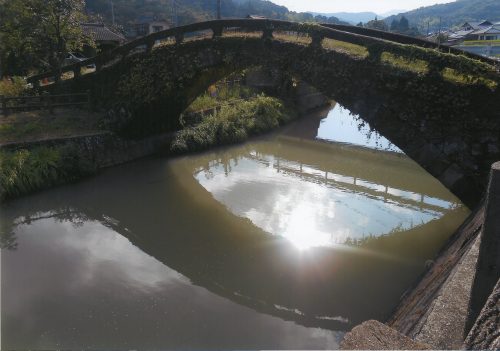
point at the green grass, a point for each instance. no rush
(417, 66)
(481, 43)
(25, 171)
(457, 77)
(345, 47)
(233, 124)
(223, 95)
(296, 39)
(28, 126)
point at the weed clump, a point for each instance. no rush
(233, 124)
(26, 171)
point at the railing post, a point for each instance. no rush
(317, 40)
(267, 33)
(77, 72)
(436, 66)
(375, 52)
(4, 106)
(179, 38)
(217, 32)
(488, 262)
(98, 65)
(89, 105)
(150, 45)
(51, 107)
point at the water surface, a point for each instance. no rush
(283, 242)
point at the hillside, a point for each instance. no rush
(189, 11)
(452, 14)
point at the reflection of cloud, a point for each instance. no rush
(310, 211)
(89, 287)
(342, 126)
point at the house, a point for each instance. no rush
(476, 25)
(104, 38)
(147, 25)
(489, 33)
(475, 31)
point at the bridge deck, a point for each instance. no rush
(375, 41)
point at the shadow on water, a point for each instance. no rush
(172, 211)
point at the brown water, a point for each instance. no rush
(282, 242)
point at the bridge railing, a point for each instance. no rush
(438, 61)
(407, 40)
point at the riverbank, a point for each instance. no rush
(28, 126)
(53, 149)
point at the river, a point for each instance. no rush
(286, 241)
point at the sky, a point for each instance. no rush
(377, 6)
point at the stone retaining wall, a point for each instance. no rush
(104, 149)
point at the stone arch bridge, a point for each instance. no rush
(441, 108)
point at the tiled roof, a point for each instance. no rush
(100, 32)
(460, 33)
(488, 30)
(478, 25)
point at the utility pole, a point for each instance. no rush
(218, 9)
(439, 33)
(112, 12)
(174, 14)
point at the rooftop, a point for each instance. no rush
(99, 32)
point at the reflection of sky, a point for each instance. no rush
(343, 127)
(312, 211)
(88, 287)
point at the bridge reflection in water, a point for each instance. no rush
(325, 194)
(205, 251)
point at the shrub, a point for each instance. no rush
(25, 171)
(233, 124)
(12, 87)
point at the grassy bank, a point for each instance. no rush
(42, 124)
(481, 43)
(233, 124)
(26, 171)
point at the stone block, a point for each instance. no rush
(373, 335)
(485, 335)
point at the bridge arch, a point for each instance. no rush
(451, 128)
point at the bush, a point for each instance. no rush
(25, 171)
(12, 87)
(233, 124)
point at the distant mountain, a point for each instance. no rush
(189, 11)
(351, 17)
(451, 14)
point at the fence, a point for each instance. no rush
(42, 102)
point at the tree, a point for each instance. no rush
(394, 25)
(404, 25)
(38, 34)
(376, 24)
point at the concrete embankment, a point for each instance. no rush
(452, 296)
